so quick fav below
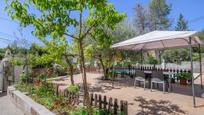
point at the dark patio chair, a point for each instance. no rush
(140, 77)
(158, 77)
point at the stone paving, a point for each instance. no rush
(7, 107)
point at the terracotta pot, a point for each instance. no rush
(183, 82)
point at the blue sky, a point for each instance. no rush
(191, 9)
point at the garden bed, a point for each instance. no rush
(26, 104)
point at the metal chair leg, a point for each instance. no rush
(163, 87)
(135, 83)
(144, 84)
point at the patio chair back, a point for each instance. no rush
(158, 74)
(139, 73)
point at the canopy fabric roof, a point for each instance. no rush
(159, 40)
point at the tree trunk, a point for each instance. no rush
(82, 65)
(104, 68)
(71, 72)
(83, 70)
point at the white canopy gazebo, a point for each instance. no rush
(158, 40)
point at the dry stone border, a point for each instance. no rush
(26, 104)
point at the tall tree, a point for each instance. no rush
(178, 55)
(141, 19)
(182, 24)
(123, 31)
(55, 19)
(159, 11)
(100, 48)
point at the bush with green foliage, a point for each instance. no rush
(44, 94)
(43, 76)
(152, 60)
(73, 88)
(23, 78)
(16, 61)
(184, 75)
(126, 62)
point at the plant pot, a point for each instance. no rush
(173, 80)
(183, 82)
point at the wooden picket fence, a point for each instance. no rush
(72, 98)
(112, 106)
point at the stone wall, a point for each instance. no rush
(26, 104)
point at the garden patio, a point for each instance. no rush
(140, 101)
(83, 57)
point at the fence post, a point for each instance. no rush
(91, 99)
(104, 103)
(126, 108)
(110, 105)
(95, 100)
(121, 106)
(100, 102)
(115, 107)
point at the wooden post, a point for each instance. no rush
(91, 99)
(121, 106)
(126, 108)
(115, 107)
(100, 102)
(110, 105)
(104, 103)
(95, 100)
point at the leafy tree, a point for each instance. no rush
(153, 18)
(123, 31)
(175, 55)
(61, 52)
(2, 52)
(182, 24)
(55, 19)
(141, 19)
(159, 11)
(178, 55)
(100, 49)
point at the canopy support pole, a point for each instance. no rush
(141, 57)
(200, 58)
(190, 54)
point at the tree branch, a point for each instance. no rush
(72, 36)
(87, 32)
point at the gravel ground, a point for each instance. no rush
(145, 102)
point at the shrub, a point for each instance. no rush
(16, 61)
(184, 75)
(125, 62)
(24, 78)
(73, 88)
(152, 60)
(42, 76)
